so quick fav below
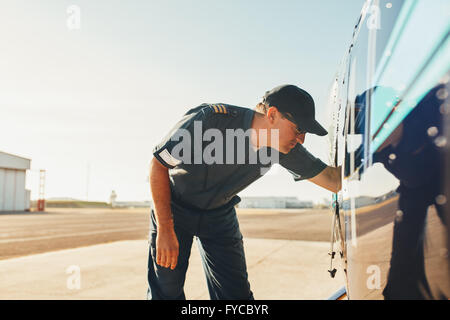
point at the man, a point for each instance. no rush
(194, 187)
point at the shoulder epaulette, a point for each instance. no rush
(219, 108)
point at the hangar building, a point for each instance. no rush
(13, 195)
(274, 202)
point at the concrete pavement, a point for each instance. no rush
(66, 228)
(278, 269)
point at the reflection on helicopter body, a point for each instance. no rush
(415, 155)
(391, 135)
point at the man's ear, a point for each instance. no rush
(272, 113)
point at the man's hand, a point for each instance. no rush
(167, 247)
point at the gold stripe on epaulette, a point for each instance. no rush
(224, 109)
(219, 108)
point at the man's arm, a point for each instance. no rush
(167, 246)
(329, 178)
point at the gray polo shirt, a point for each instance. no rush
(210, 158)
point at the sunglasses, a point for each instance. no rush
(288, 117)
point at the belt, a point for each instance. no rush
(183, 205)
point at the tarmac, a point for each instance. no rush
(278, 270)
(102, 254)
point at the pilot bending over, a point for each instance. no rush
(194, 187)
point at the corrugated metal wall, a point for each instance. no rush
(13, 196)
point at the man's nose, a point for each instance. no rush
(301, 138)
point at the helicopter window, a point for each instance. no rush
(367, 56)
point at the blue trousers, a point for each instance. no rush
(221, 250)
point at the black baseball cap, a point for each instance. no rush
(298, 103)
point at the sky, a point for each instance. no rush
(88, 99)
